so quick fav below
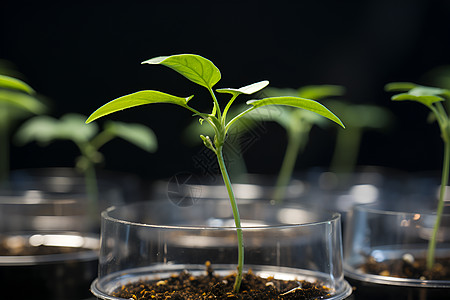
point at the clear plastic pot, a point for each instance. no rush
(158, 238)
(397, 230)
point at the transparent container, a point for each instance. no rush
(49, 236)
(395, 230)
(155, 239)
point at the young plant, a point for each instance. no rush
(88, 139)
(298, 125)
(204, 73)
(432, 98)
(17, 101)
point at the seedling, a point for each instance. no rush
(432, 98)
(17, 101)
(204, 73)
(298, 125)
(88, 139)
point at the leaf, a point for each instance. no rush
(45, 129)
(307, 104)
(194, 67)
(137, 134)
(426, 100)
(23, 101)
(15, 84)
(399, 86)
(320, 91)
(248, 89)
(136, 99)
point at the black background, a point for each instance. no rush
(82, 54)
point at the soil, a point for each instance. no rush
(409, 267)
(211, 286)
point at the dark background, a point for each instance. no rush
(82, 55)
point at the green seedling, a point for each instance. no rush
(432, 98)
(17, 101)
(204, 73)
(88, 139)
(298, 125)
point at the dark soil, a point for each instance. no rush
(212, 286)
(409, 267)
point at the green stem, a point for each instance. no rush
(216, 107)
(346, 150)
(100, 139)
(237, 219)
(440, 208)
(297, 139)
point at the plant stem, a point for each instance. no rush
(346, 150)
(297, 139)
(440, 208)
(237, 219)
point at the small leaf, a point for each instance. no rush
(307, 104)
(399, 86)
(136, 99)
(23, 101)
(426, 91)
(194, 67)
(248, 90)
(426, 100)
(137, 134)
(15, 84)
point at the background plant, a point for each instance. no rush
(89, 139)
(297, 123)
(432, 98)
(358, 119)
(17, 102)
(204, 73)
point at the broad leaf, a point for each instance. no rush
(21, 100)
(194, 67)
(248, 89)
(136, 99)
(137, 134)
(45, 129)
(15, 84)
(307, 104)
(399, 86)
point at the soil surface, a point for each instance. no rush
(409, 267)
(212, 286)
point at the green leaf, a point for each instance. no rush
(194, 67)
(320, 91)
(21, 100)
(15, 84)
(248, 89)
(307, 104)
(136, 99)
(426, 100)
(399, 86)
(45, 129)
(137, 134)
